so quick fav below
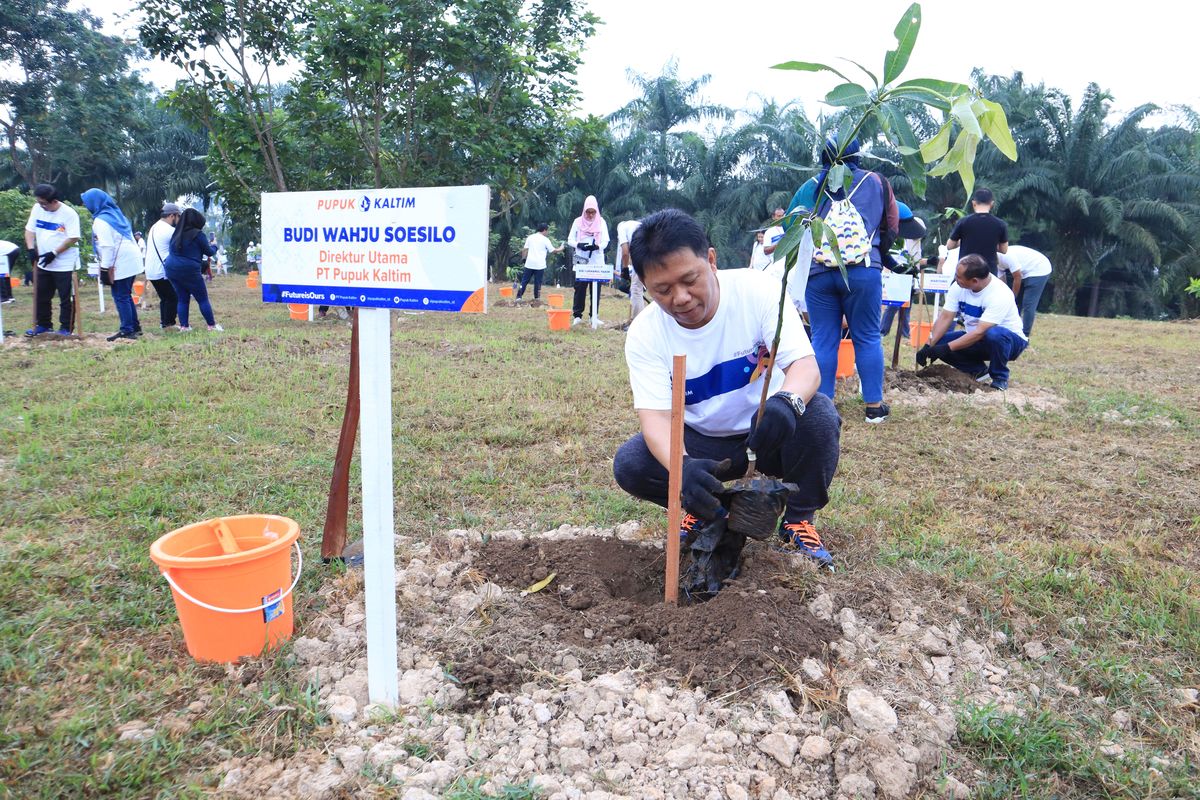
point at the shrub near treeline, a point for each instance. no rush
(14, 213)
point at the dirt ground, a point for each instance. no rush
(607, 592)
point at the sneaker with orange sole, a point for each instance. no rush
(689, 528)
(802, 537)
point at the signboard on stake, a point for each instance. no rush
(595, 274)
(380, 249)
(897, 289)
(937, 283)
(413, 249)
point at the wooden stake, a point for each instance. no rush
(675, 481)
(333, 542)
(78, 323)
(896, 347)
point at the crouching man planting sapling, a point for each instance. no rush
(993, 336)
(724, 323)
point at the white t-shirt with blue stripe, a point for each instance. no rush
(724, 381)
(995, 304)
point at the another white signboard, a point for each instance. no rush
(938, 284)
(409, 249)
(596, 273)
(897, 289)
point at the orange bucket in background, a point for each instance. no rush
(918, 333)
(560, 319)
(252, 280)
(298, 311)
(553, 299)
(231, 578)
(138, 288)
(14, 280)
(845, 365)
(506, 291)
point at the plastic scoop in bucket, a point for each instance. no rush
(232, 583)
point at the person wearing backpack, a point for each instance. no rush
(865, 221)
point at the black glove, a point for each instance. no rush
(932, 352)
(32, 256)
(777, 425)
(701, 486)
(47, 257)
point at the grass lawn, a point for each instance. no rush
(1078, 524)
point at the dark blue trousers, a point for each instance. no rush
(990, 354)
(808, 460)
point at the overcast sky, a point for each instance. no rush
(1141, 52)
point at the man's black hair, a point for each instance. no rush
(542, 226)
(983, 196)
(45, 191)
(974, 267)
(663, 233)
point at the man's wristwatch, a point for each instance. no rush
(794, 400)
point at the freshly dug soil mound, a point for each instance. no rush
(608, 593)
(936, 377)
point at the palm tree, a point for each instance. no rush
(717, 191)
(1106, 198)
(666, 102)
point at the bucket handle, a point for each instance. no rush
(281, 598)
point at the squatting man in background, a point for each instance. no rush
(993, 335)
(724, 323)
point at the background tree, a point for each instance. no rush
(665, 104)
(66, 96)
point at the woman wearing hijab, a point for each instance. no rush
(589, 237)
(189, 248)
(118, 253)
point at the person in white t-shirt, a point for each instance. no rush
(993, 335)
(724, 322)
(158, 246)
(537, 246)
(759, 259)
(1031, 271)
(637, 290)
(119, 257)
(52, 238)
(774, 234)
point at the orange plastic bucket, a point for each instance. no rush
(298, 310)
(138, 288)
(14, 280)
(252, 281)
(506, 291)
(560, 319)
(845, 365)
(918, 333)
(231, 580)
(555, 300)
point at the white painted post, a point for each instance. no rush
(595, 302)
(3, 277)
(310, 312)
(100, 291)
(379, 559)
